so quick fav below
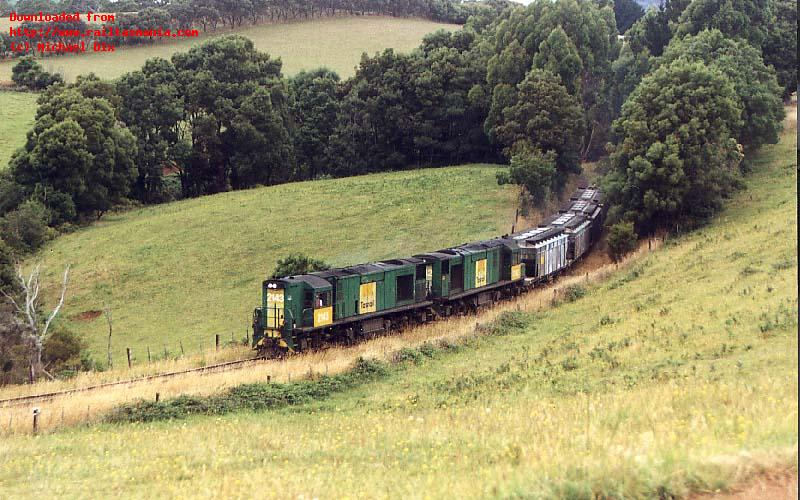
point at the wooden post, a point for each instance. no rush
(216, 342)
(158, 397)
(269, 379)
(247, 335)
(31, 374)
(182, 352)
(128, 352)
(35, 420)
(149, 359)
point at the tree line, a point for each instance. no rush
(542, 87)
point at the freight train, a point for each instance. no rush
(348, 304)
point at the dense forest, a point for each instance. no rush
(670, 109)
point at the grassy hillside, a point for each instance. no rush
(17, 110)
(679, 374)
(188, 270)
(336, 43)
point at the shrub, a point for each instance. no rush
(257, 396)
(621, 240)
(8, 280)
(29, 73)
(573, 293)
(532, 169)
(25, 229)
(298, 263)
(63, 353)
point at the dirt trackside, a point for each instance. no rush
(769, 486)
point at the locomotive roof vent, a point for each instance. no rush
(579, 205)
(562, 220)
(532, 232)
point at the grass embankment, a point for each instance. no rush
(185, 271)
(82, 407)
(336, 43)
(17, 110)
(677, 374)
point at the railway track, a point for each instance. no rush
(219, 367)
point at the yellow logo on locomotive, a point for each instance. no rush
(480, 273)
(516, 272)
(367, 302)
(323, 316)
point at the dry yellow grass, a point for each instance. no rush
(86, 407)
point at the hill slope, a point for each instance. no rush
(336, 43)
(17, 110)
(185, 271)
(677, 375)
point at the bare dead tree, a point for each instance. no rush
(27, 311)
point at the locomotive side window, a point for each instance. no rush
(405, 287)
(446, 267)
(308, 299)
(323, 299)
(457, 278)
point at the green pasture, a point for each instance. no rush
(336, 43)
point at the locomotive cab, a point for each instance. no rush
(270, 320)
(288, 305)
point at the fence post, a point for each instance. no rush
(35, 420)
(149, 359)
(216, 342)
(158, 397)
(181, 343)
(31, 375)
(128, 352)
